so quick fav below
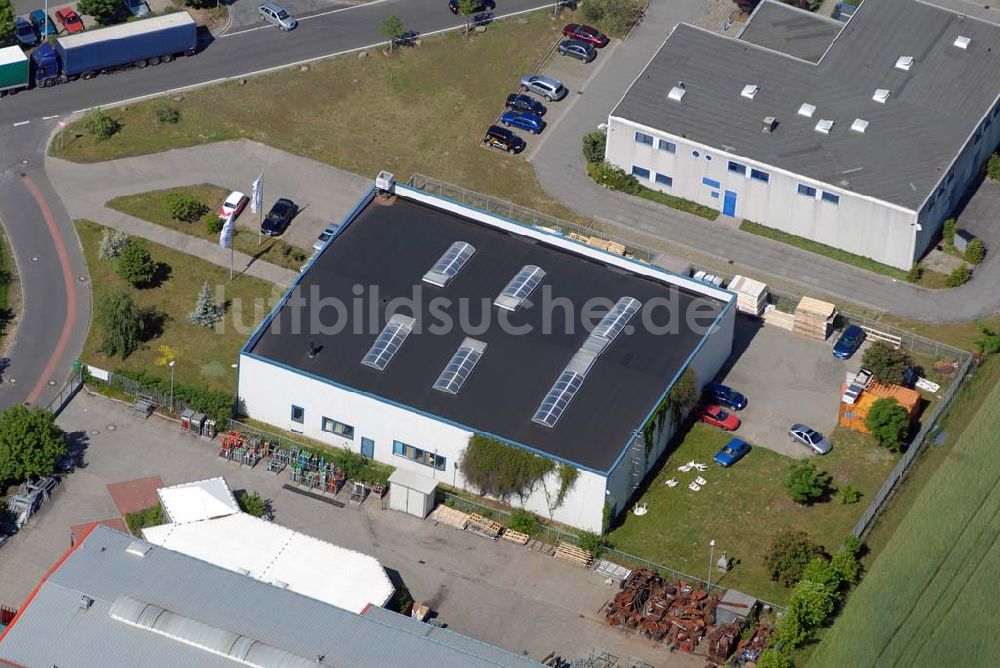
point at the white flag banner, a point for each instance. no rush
(226, 235)
(257, 194)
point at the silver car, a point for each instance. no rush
(549, 88)
(810, 438)
(324, 236)
(275, 14)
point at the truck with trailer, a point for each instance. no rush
(14, 70)
(137, 44)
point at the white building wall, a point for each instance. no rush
(857, 224)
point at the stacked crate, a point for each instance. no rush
(751, 295)
(814, 318)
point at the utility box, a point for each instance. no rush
(962, 240)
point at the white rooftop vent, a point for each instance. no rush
(86, 602)
(962, 42)
(280, 584)
(904, 63)
(881, 95)
(385, 181)
(859, 125)
(824, 126)
(138, 548)
(807, 110)
(750, 90)
(676, 94)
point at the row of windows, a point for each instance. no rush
(663, 144)
(809, 191)
(419, 456)
(741, 169)
(643, 173)
(327, 424)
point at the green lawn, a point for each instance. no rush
(743, 506)
(929, 598)
(8, 283)
(204, 355)
(152, 206)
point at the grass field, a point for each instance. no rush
(928, 599)
(152, 206)
(743, 506)
(8, 286)
(204, 355)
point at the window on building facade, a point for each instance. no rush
(696, 154)
(668, 146)
(711, 183)
(737, 167)
(641, 172)
(831, 198)
(420, 456)
(808, 191)
(338, 428)
(665, 180)
(759, 175)
(298, 414)
(642, 138)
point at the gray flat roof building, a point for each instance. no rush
(781, 27)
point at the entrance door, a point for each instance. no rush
(367, 448)
(729, 204)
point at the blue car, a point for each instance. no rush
(524, 120)
(42, 23)
(723, 395)
(849, 342)
(26, 35)
(731, 452)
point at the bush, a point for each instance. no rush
(253, 504)
(988, 341)
(915, 273)
(853, 546)
(136, 265)
(185, 207)
(975, 251)
(849, 494)
(593, 146)
(886, 363)
(213, 224)
(103, 11)
(147, 517)
(948, 233)
(847, 566)
(616, 17)
(993, 167)
(788, 555)
(170, 115)
(888, 421)
(822, 572)
(805, 484)
(592, 543)
(774, 658)
(812, 603)
(101, 126)
(790, 632)
(121, 323)
(524, 521)
(113, 243)
(959, 276)
(609, 176)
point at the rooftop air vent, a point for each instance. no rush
(824, 126)
(962, 42)
(904, 63)
(676, 94)
(138, 548)
(770, 123)
(86, 602)
(881, 95)
(807, 110)
(750, 90)
(859, 125)
(385, 182)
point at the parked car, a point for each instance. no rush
(324, 236)
(233, 206)
(574, 48)
(810, 438)
(524, 120)
(42, 22)
(586, 34)
(481, 6)
(278, 218)
(849, 342)
(522, 102)
(731, 452)
(275, 14)
(549, 88)
(717, 416)
(503, 139)
(137, 7)
(26, 34)
(723, 395)
(69, 20)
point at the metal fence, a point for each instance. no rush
(67, 392)
(909, 341)
(165, 402)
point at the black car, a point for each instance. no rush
(278, 217)
(522, 102)
(578, 49)
(503, 139)
(480, 6)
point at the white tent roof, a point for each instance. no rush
(421, 483)
(199, 500)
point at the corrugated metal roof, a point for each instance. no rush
(55, 630)
(910, 141)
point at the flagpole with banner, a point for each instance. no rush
(226, 241)
(256, 203)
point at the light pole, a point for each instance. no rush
(711, 560)
(171, 364)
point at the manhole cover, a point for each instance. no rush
(81, 278)
(34, 259)
(52, 382)
(94, 432)
(111, 427)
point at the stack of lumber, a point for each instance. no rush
(515, 536)
(484, 526)
(751, 295)
(606, 245)
(773, 316)
(573, 554)
(814, 318)
(448, 515)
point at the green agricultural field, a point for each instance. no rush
(930, 596)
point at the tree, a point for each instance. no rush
(31, 443)
(100, 125)
(206, 311)
(121, 323)
(6, 21)
(960, 275)
(812, 603)
(975, 251)
(790, 632)
(823, 573)
(113, 243)
(886, 363)
(849, 494)
(788, 555)
(593, 146)
(253, 504)
(392, 28)
(888, 421)
(853, 545)
(988, 341)
(185, 207)
(615, 17)
(467, 8)
(847, 566)
(774, 658)
(102, 10)
(136, 265)
(805, 484)
(993, 167)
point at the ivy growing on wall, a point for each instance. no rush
(681, 397)
(567, 478)
(500, 470)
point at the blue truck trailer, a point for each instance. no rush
(138, 44)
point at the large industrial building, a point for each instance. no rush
(863, 136)
(473, 349)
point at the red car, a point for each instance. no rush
(719, 417)
(586, 34)
(69, 20)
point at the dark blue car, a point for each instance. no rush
(849, 342)
(26, 35)
(731, 452)
(524, 120)
(723, 395)
(42, 23)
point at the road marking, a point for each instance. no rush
(49, 118)
(305, 18)
(20, 123)
(68, 283)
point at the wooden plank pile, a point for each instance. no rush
(814, 318)
(450, 516)
(751, 295)
(573, 554)
(773, 316)
(598, 242)
(722, 641)
(515, 536)
(484, 527)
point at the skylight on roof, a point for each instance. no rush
(859, 125)
(612, 324)
(881, 95)
(558, 398)
(676, 94)
(807, 110)
(962, 42)
(449, 264)
(389, 340)
(904, 63)
(522, 285)
(460, 366)
(824, 126)
(749, 91)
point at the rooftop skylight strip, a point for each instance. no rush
(558, 398)
(389, 340)
(612, 324)
(460, 366)
(519, 287)
(449, 264)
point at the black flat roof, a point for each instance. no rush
(391, 247)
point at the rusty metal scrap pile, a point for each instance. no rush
(675, 614)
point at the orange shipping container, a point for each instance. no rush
(853, 417)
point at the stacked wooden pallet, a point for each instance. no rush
(484, 526)
(751, 295)
(448, 515)
(814, 318)
(515, 536)
(773, 316)
(573, 554)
